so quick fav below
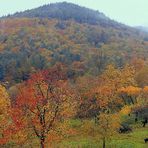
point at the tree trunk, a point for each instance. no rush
(42, 142)
(104, 143)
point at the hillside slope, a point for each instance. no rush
(31, 44)
(69, 11)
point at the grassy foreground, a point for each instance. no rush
(134, 139)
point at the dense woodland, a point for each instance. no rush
(64, 75)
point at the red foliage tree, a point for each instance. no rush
(44, 100)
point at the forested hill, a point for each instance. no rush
(142, 28)
(84, 40)
(68, 11)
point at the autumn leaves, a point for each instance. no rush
(48, 100)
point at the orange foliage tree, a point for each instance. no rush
(43, 101)
(130, 94)
(145, 93)
(103, 94)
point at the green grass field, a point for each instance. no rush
(134, 139)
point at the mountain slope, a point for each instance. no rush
(142, 28)
(68, 11)
(35, 43)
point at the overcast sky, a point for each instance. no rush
(130, 12)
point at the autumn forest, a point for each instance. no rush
(72, 78)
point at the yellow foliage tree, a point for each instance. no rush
(4, 114)
(126, 110)
(108, 126)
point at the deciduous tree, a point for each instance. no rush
(4, 114)
(45, 100)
